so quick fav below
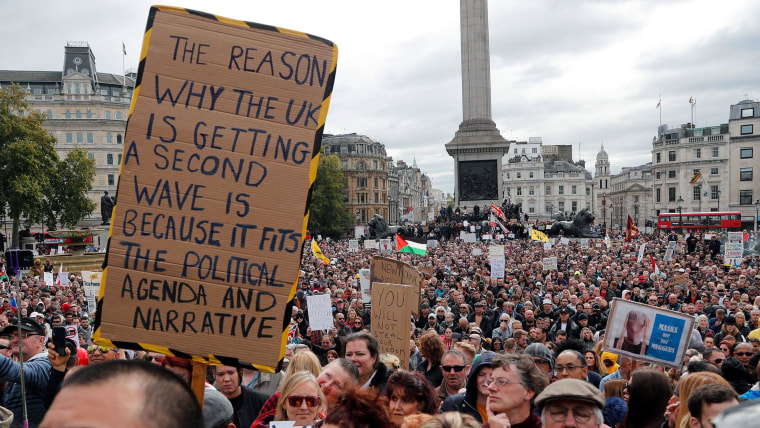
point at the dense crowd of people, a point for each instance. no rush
(522, 349)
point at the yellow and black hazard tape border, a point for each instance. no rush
(317, 146)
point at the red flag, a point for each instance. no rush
(631, 231)
(496, 210)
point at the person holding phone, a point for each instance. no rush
(28, 335)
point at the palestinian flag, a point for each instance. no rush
(404, 246)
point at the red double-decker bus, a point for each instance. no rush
(709, 220)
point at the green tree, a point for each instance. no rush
(27, 160)
(328, 216)
(68, 202)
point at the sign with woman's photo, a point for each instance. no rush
(648, 333)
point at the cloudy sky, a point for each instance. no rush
(584, 73)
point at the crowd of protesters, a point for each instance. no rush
(524, 350)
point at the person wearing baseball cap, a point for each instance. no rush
(29, 335)
(571, 398)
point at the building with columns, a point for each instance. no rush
(545, 186)
(85, 109)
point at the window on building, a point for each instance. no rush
(671, 174)
(715, 152)
(118, 159)
(696, 193)
(714, 192)
(745, 174)
(79, 114)
(574, 189)
(49, 113)
(90, 138)
(361, 148)
(109, 159)
(118, 138)
(361, 182)
(91, 156)
(561, 190)
(713, 171)
(360, 166)
(80, 137)
(697, 153)
(531, 208)
(343, 150)
(575, 206)
(658, 195)
(531, 191)
(344, 164)
(548, 190)
(746, 129)
(658, 157)
(672, 156)
(695, 171)
(111, 180)
(108, 115)
(519, 191)
(118, 115)
(77, 89)
(115, 93)
(671, 194)
(748, 112)
(588, 191)
(69, 137)
(745, 197)
(377, 198)
(561, 206)
(519, 174)
(362, 198)
(657, 175)
(374, 163)
(109, 138)
(376, 186)
(548, 208)
(745, 152)
(530, 174)
(535, 150)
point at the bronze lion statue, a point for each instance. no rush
(580, 227)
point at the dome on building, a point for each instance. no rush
(602, 154)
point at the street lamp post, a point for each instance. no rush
(680, 216)
(757, 215)
(604, 211)
(636, 213)
(612, 212)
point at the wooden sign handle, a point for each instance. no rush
(198, 383)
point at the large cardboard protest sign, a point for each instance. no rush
(391, 318)
(648, 333)
(221, 150)
(392, 271)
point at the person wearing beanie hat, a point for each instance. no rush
(614, 411)
(217, 410)
(542, 356)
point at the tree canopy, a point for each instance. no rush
(31, 172)
(328, 215)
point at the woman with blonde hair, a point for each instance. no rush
(451, 420)
(687, 385)
(301, 400)
(301, 362)
(616, 388)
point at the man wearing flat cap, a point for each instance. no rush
(571, 402)
(30, 335)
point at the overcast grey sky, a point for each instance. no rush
(572, 72)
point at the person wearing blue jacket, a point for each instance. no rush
(36, 371)
(473, 400)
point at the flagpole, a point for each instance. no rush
(123, 68)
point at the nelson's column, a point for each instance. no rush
(477, 147)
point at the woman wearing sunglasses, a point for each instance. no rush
(301, 400)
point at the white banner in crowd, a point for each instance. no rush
(385, 245)
(550, 263)
(564, 241)
(732, 253)
(370, 244)
(320, 312)
(642, 249)
(48, 278)
(648, 333)
(468, 237)
(497, 268)
(477, 251)
(496, 252)
(353, 246)
(364, 283)
(584, 244)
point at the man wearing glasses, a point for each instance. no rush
(31, 336)
(572, 399)
(571, 364)
(455, 369)
(512, 386)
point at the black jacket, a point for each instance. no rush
(252, 402)
(467, 402)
